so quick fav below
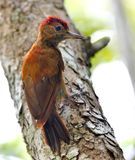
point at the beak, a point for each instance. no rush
(71, 35)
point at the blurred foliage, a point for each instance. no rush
(92, 16)
(85, 21)
(15, 148)
(130, 11)
(129, 142)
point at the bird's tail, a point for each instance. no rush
(55, 131)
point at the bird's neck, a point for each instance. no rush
(45, 42)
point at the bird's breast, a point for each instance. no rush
(39, 65)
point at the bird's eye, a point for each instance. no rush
(58, 28)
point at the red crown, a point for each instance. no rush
(52, 19)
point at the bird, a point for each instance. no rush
(43, 83)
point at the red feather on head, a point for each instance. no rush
(52, 19)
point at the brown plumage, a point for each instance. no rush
(42, 77)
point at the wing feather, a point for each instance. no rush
(41, 96)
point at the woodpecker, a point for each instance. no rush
(42, 70)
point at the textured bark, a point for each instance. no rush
(91, 135)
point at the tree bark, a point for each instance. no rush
(91, 135)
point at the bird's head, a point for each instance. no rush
(53, 30)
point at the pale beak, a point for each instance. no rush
(71, 35)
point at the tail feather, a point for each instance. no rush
(52, 138)
(55, 131)
(60, 129)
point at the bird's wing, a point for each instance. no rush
(41, 96)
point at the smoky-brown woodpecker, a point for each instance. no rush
(43, 82)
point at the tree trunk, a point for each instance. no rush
(91, 135)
